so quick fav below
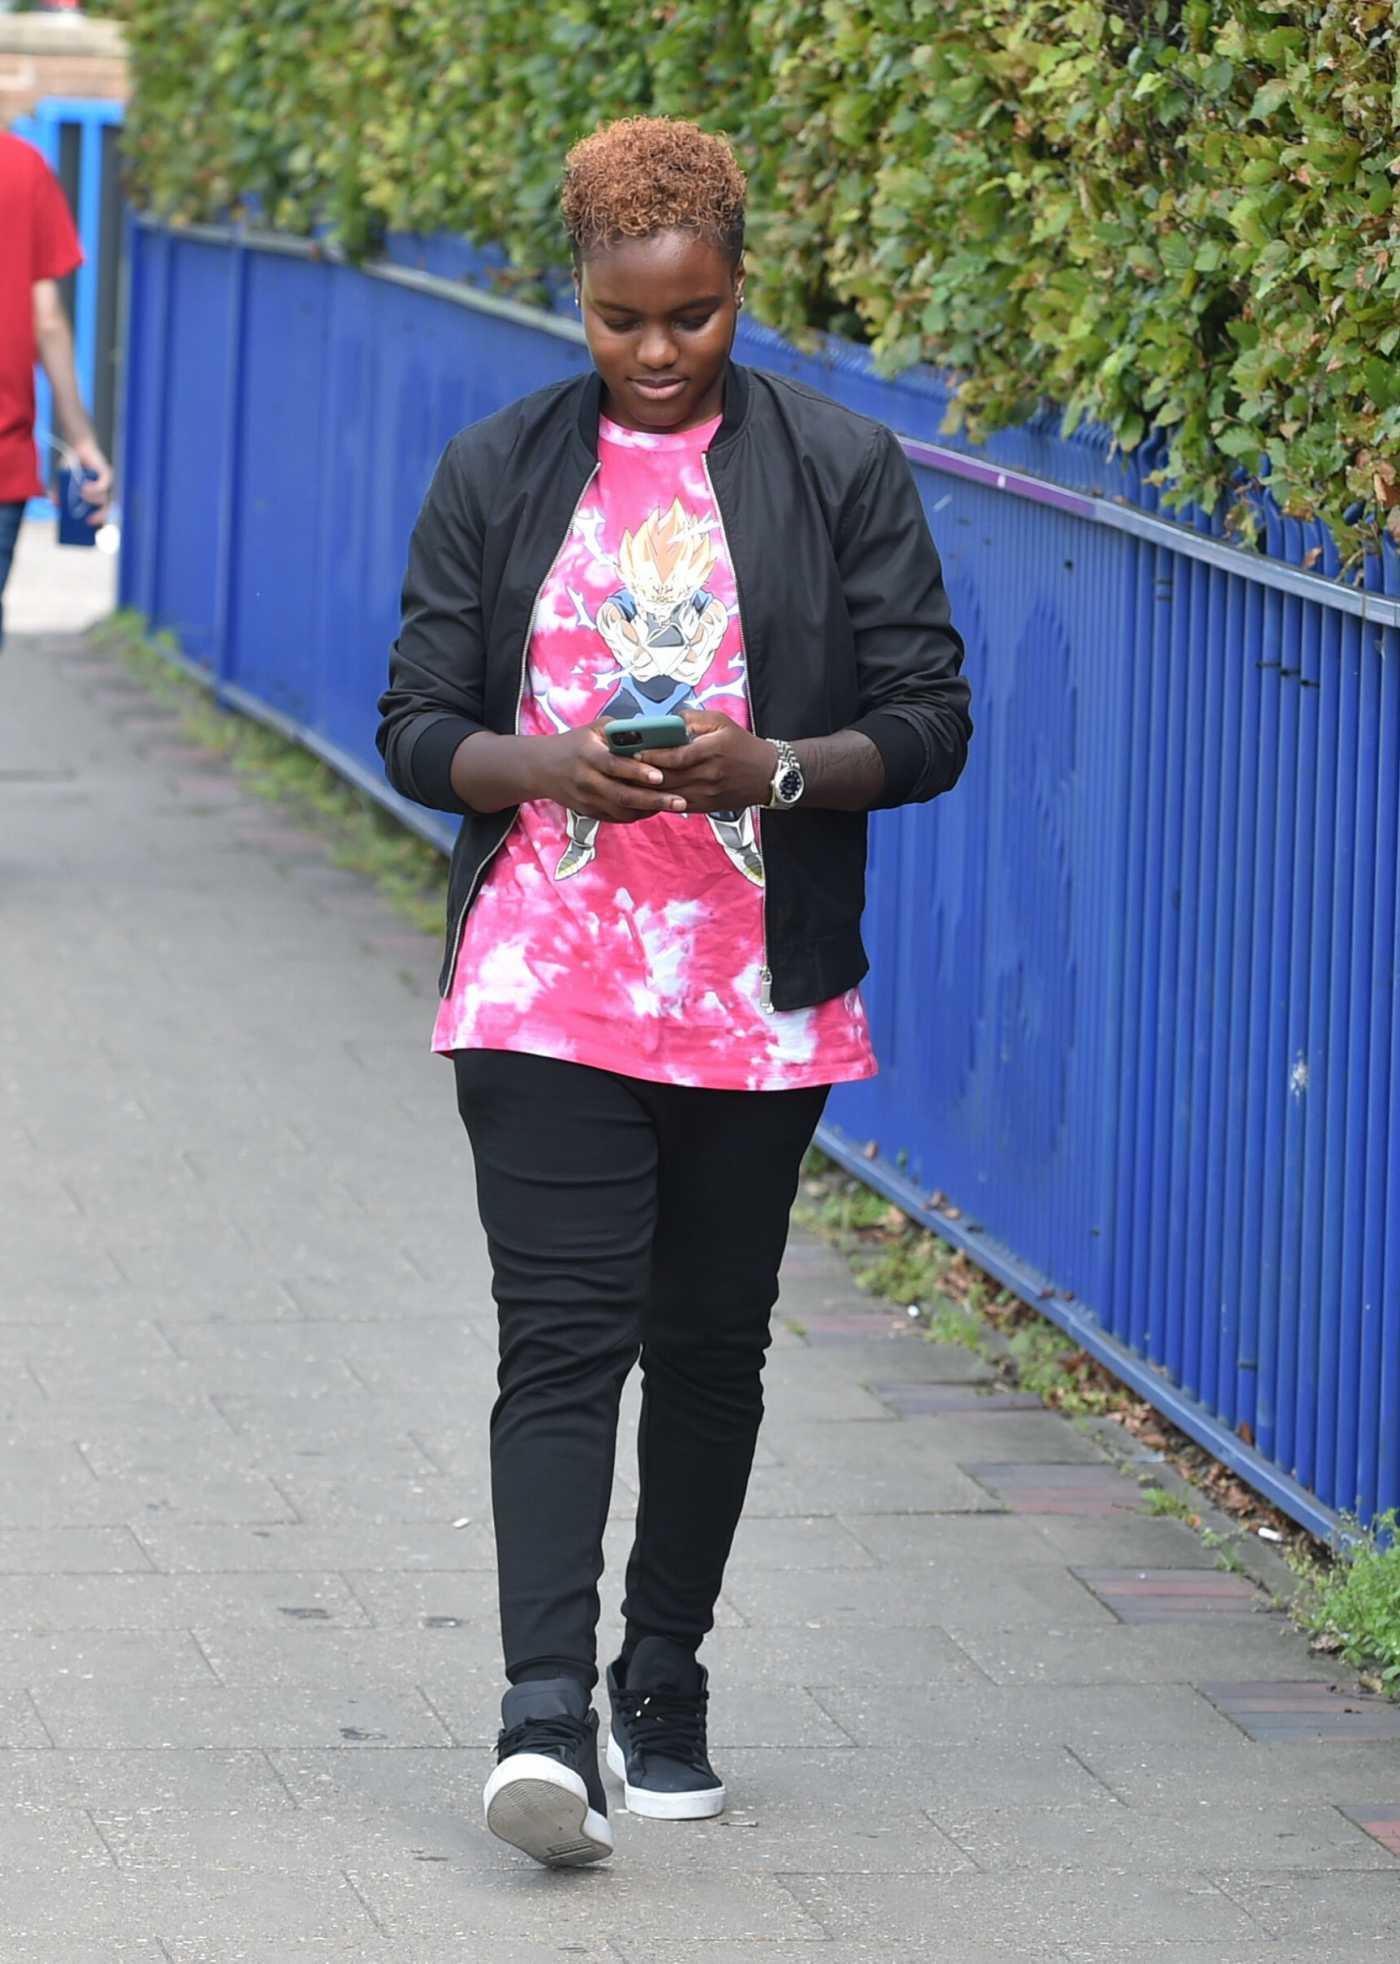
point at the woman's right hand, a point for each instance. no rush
(578, 771)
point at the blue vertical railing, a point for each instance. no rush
(1134, 983)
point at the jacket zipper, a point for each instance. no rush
(765, 974)
(485, 865)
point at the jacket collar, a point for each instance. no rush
(736, 407)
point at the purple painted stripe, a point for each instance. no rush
(1038, 489)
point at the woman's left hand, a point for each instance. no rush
(723, 768)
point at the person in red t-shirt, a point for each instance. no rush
(38, 248)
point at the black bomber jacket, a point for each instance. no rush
(844, 617)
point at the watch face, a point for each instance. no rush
(790, 785)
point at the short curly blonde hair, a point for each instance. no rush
(649, 174)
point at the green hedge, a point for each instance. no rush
(1171, 214)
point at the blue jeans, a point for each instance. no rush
(10, 516)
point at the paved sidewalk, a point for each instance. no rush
(970, 1704)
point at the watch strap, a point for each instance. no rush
(788, 766)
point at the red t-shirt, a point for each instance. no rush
(37, 242)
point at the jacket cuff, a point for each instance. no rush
(430, 760)
(902, 750)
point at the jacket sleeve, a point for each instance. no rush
(437, 665)
(913, 699)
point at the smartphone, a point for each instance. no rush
(74, 510)
(629, 734)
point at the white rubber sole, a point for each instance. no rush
(541, 1807)
(702, 1806)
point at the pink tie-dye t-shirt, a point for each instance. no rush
(639, 948)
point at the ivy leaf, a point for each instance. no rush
(1382, 382)
(1238, 442)
(1270, 97)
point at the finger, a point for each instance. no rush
(644, 801)
(690, 756)
(650, 803)
(630, 770)
(597, 756)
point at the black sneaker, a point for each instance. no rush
(657, 1743)
(546, 1794)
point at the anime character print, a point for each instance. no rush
(663, 627)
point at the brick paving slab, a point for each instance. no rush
(1164, 1595)
(1046, 1488)
(247, 1662)
(1300, 1711)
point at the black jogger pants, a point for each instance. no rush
(624, 1218)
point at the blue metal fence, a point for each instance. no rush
(1134, 984)
(78, 140)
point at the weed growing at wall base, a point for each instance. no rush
(1353, 1607)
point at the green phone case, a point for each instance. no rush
(629, 734)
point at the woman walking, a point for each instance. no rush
(652, 961)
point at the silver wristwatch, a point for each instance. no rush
(788, 781)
